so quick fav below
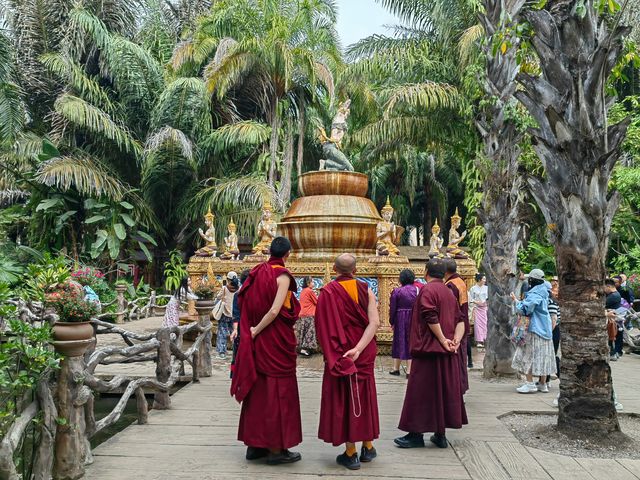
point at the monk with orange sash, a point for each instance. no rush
(264, 378)
(459, 288)
(346, 323)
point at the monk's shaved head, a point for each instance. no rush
(345, 263)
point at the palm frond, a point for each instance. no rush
(468, 43)
(421, 97)
(240, 134)
(12, 112)
(184, 104)
(83, 114)
(169, 135)
(84, 173)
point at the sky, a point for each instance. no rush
(358, 19)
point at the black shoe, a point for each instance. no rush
(285, 456)
(410, 440)
(254, 453)
(351, 462)
(470, 365)
(439, 440)
(395, 372)
(407, 376)
(367, 454)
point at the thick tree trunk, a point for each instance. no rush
(578, 150)
(502, 184)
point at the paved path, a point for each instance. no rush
(196, 438)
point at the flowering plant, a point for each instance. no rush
(69, 303)
(88, 276)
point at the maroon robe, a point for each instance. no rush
(459, 289)
(264, 378)
(349, 403)
(433, 401)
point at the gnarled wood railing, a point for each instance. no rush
(65, 402)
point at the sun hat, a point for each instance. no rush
(231, 275)
(537, 274)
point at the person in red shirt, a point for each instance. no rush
(305, 329)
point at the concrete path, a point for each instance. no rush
(196, 439)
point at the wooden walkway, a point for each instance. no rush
(196, 439)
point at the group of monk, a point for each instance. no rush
(346, 321)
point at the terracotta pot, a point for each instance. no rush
(72, 339)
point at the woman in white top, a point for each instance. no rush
(478, 296)
(172, 312)
(225, 324)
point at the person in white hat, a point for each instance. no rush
(225, 323)
(536, 356)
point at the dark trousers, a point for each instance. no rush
(469, 359)
(618, 342)
(556, 345)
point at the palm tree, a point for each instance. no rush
(577, 50)
(265, 61)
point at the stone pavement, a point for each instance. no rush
(196, 439)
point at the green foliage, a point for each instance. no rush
(174, 271)
(69, 303)
(25, 359)
(538, 255)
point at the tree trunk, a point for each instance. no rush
(301, 129)
(287, 165)
(578, 151)
(273, 142)
(499, 212)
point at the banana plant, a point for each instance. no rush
(115, 228)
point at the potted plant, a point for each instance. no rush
(72, 332)
(205, 301)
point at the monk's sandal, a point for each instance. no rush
(351, 462)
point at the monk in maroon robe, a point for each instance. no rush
(433, 401)
(459, 289)
(264, 378)
(346, 323)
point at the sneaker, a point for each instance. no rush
(254, 453)
(285, 456)
(304, 353)
(221, 356)
(367, 454)
(439, 440)
(555, 400)
(410, 440)
(543, 387)
(351, 462)
(470, 365)
(527, 388)
(619, 406)
(395, 372)
(613, 358)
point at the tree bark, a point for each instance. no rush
(301, 130)
(43, 465)
(273, 142)
(578, 151)
(287, 165)
(499, 212)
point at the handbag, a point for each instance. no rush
(519, 331)
(217, 310)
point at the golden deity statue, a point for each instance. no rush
(209, 236)
(231, 250)
(436, 241)
(266, 231)
(453, 248)
(387, 233)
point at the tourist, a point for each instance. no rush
(459, 289)
(401, 304)
(613, 304)
(554, 314)
(264, 378)
(225, 324)
(536, 356)
(433, 401)
(478, 295)
(625, 292)
(172, 310)
(235, 316)
(305, 329)
(346, 324)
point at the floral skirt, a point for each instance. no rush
(306, 334)
(535, 356)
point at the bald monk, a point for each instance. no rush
(433, 401)
(459, 288)
(346, 323)
(264, 378)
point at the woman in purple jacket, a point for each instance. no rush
(402, 300)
